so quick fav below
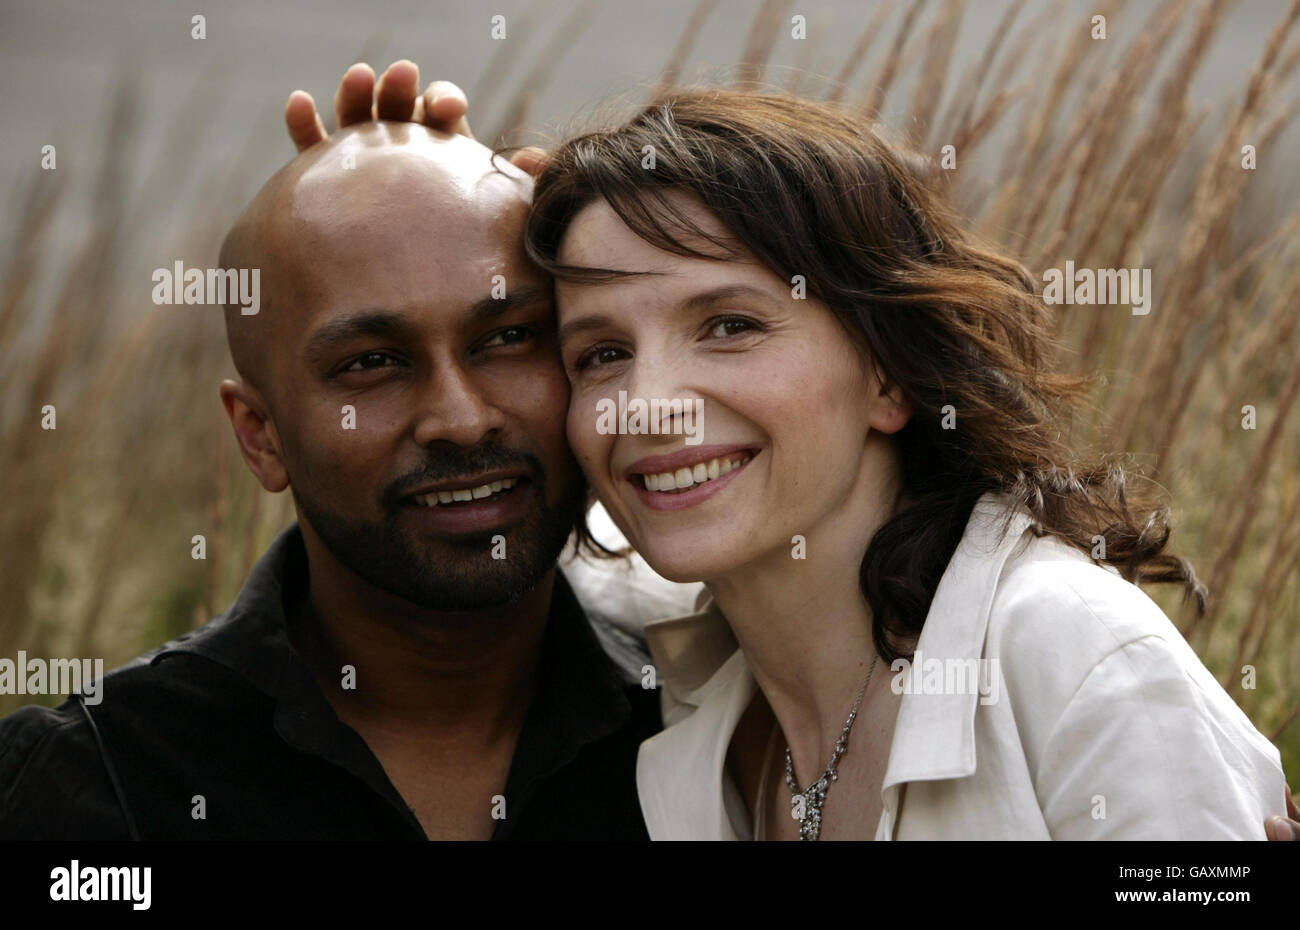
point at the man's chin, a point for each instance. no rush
(463, 573)
(474, 571)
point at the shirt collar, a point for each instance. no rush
(935, 734)
(579, 696)
(252, 637)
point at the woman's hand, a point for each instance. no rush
(396, 96)
(1281, 828)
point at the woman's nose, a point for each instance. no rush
(656, 377)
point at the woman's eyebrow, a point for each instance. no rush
(725, 292)
(573, 327)
(697, 301)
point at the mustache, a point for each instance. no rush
(457, 462)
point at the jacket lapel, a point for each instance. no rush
(934, 737)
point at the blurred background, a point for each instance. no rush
(1117, 152)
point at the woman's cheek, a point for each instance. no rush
(587, 444)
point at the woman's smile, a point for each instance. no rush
(689, 477)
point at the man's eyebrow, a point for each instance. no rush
(697, 301)
(378, 323)
(385, 324)
(489, 308)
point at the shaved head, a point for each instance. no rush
(367, 165)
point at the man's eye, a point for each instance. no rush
(731, 326)
(369, 361)
(597, 356)
(507, 337)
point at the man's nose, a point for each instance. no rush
(453, 409)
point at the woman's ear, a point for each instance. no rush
(890, 410)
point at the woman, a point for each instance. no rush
(881, 481)
(891, 485)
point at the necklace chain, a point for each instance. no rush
(814, 796)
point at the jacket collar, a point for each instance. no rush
(935, 733)
(934, 736)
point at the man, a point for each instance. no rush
(406, 661)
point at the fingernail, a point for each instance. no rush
(1282, 829)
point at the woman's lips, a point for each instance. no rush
(691, 484)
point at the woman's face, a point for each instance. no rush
(787, 404)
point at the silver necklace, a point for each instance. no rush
(814, 796)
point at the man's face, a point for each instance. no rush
(416, 386)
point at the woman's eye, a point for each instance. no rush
(731, 326)
(508, 337)
(370, 361)
(598, 355)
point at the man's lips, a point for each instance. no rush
(465, 514)
(465, 489)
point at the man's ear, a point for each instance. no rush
(258, 442)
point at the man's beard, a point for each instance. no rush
(441, 574)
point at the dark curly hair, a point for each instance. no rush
(808, 188)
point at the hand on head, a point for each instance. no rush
(396, 96)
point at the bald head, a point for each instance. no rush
(396, 190)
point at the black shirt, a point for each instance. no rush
(228, 721)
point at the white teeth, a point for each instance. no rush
(697, 474)
(434, 498)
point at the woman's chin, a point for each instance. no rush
(685, 568)
(676, 573)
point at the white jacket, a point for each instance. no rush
(1097, 720)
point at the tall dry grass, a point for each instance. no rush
(1067, 149)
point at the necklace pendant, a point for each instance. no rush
(814, 796)
(810, 828)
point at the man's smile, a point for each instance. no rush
(474, 506)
